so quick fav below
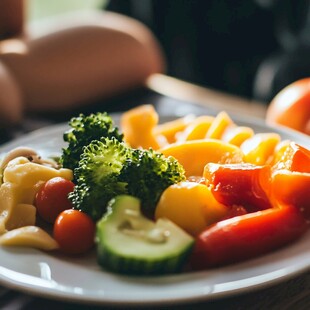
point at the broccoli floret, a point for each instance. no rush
(84, 129)
(148, 173)
(109, 168)
(97, 175)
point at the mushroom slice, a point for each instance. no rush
(21, 151)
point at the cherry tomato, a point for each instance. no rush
(52, 198)
(74, 231)
(293, 100)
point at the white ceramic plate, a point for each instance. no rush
(82, 280)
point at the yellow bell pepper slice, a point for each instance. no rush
(197, 129)
(259, 149)
(219, 125)
(191, 206)
(138, 126)
(280, 152)
(171, 129)
(194, 155)
(236, 135)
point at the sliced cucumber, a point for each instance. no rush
(127, 242)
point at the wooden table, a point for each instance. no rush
(206, 97)
(169, 93)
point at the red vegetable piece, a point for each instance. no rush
(245, 185)
(74, 231)
(234, 211)
(52, 198)
(292, 188)
(295, 158)
(247, 236)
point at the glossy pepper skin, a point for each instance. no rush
(292, 188)
(195, 154)
(294, 158)
(191, 206)
(290, 183)
(247, 236)
(245, 185)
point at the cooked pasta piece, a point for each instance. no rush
(29, 236)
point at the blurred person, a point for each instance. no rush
(72, 61)
(251, 48)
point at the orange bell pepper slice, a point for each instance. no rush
(294, 158)
(292, 188)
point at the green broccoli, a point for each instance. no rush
(84, 129)
(97, 175)
(109, 168)
(147, 173)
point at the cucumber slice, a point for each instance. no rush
(127, 242)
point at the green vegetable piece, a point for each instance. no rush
(129, 243)
(84, 129)
(109, 168)
(98, 176)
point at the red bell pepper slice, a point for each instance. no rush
(247, 236)
(295, 158)
(292, 188)
(244, 185)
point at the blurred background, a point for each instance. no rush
(251, 48)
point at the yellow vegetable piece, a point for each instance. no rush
(236, 135)
(219, 125)
(7, 201)
(22, 180)
(259, 149)
(25, 173)
(195, 154)
(21, 215)
(138, 126)
(170, 129)
(197, 129)
(29, 236)
(15, 207)
(279, 152)
(191, 206)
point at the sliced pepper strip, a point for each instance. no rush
(247, 236)
(292, 188)
(294, 157)
(242, 184)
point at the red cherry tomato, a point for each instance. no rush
(52, 198)
(291, 108)
(74, 231)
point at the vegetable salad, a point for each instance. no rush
(194, 193)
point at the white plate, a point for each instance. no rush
(82, 280)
